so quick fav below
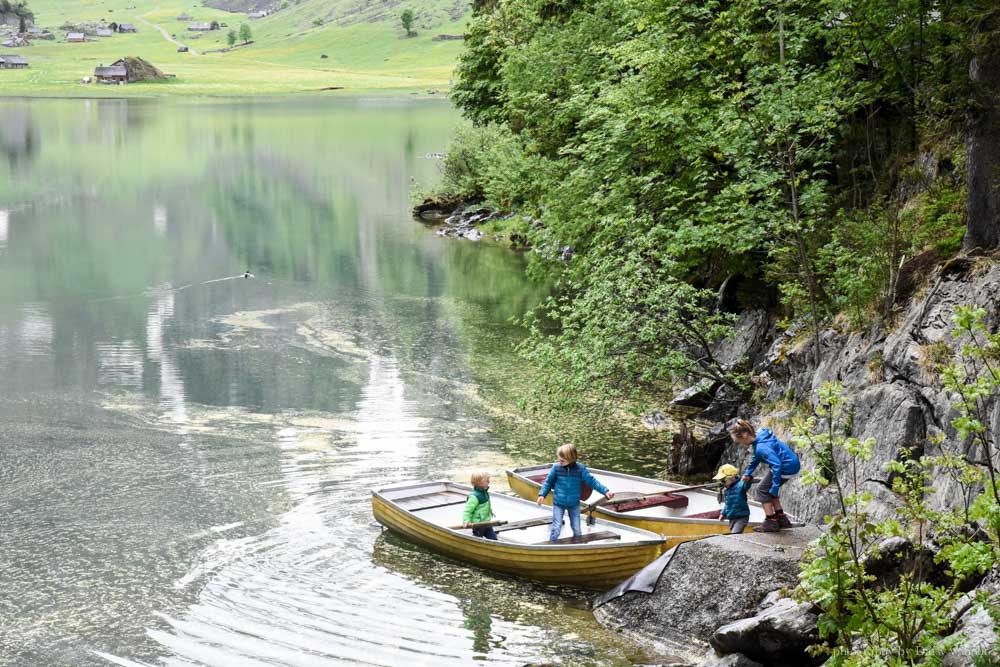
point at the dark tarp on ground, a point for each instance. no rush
(643, 581)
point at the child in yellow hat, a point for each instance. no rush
(736, 507)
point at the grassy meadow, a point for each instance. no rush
(365, 54)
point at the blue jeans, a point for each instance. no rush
(557, 520)
(485, 531)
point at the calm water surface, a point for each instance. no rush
(186, 454)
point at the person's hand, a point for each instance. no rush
(541, 500)
(747, 478)
(609, 495)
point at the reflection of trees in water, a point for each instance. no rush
(19, 138)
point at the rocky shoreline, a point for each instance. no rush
(895, 399)
(720, 600)
(457, 219)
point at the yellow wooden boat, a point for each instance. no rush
(690, 515)
(606, 554)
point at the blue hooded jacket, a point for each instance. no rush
(736, 506)
(779, 456)
(566, 482)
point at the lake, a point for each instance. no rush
(187, 453)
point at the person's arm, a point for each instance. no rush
(547, 486)
(470, 506)
(594, 483)
(754, 462)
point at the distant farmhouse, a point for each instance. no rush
(111, 74)
(184, 16)
(127, 70)
(12, 62)
(76, 37)
(126, 27)
(256, 15)
(203, 27)
(15, 42)
(104, 32)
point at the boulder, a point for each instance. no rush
(435, 209)
(696, 396)
(708, 583)
(778, 635)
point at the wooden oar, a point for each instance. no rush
(605, 502)
(482, 524)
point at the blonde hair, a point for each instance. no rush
(738, 426)
(567, 453)
(479, 478)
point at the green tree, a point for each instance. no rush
(770, 145)
(406, 18)
(245, 33)
(231, 38)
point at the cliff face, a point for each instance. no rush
(888, 378)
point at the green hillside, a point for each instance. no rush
(366, 47)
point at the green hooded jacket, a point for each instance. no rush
(477, 508)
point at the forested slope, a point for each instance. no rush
(810, 157)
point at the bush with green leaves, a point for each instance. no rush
(911, 619)
(768, 141)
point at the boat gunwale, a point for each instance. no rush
(516, 472)
(655, 539)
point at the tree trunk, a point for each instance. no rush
(983, 208)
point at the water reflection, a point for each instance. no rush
(189, 452)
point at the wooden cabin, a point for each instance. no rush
(76, 37)
(105, 32)
(111, 74)
(126, 27)
(8, 61)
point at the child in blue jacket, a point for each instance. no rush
(565, 481)
(783, 465)
(734, 491)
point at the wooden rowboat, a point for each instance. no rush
(606, 554)
(679, 517)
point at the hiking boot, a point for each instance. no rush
(783, 520)
(770, 525)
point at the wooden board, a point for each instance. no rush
(589, 537)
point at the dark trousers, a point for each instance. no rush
(485, 531)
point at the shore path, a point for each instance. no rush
(166, 35)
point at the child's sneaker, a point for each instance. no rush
(770, 525)
(783, 520)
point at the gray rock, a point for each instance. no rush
(708, 583)
(779, 634)
(731, 660)
(977, 628)
(980, 635)
(696, 396)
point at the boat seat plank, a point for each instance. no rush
(520, 525)
(431, 500)
(589, 537)
(666, 499)
(712, 514)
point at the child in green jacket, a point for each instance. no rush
(477, 508)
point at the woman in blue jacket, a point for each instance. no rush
(783, 465)
(565, 481)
